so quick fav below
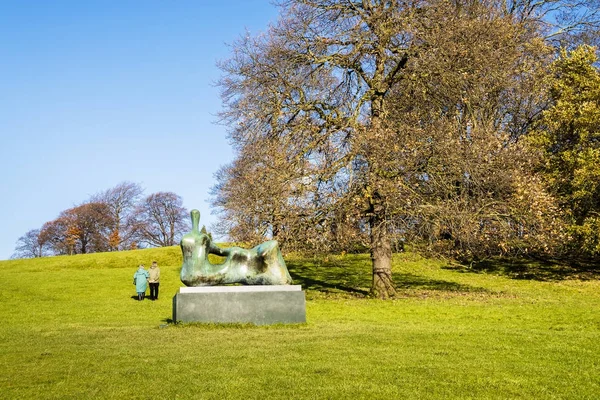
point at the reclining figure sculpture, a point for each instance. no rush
(261, 265)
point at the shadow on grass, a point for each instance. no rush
(169, 323)
(411, 281)
(320, 285)
(351, 275)
(534, 269)
(147, 298)
(347, 275)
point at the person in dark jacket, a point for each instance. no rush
(154, 280)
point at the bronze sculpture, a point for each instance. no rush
(261, 265)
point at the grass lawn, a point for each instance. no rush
(70, 328)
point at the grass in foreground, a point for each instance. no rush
(71, 329)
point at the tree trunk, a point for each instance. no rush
(381, 256)
(381, 248)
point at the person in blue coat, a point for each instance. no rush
(140, 280)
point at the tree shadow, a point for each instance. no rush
(351, 275)
(325, 286)
(344, 275)
(537, 269)
(411, 281)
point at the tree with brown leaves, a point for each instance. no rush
(343, 107)
(80, 230)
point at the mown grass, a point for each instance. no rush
(71, 329)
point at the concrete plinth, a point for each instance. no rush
(260, 305)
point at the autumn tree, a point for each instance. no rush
(54, 233)
(323, 84)
(121, 201)
(79, 230)
(31, 245)
(161, 219)
(317, 81)
(464, 177)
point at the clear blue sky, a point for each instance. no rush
(93, 93)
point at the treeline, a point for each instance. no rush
(468, 128)
(120, 218)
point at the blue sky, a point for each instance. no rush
(93, 93)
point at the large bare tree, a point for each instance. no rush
(328, 90)
(30, 245)
(121, 201)
(161, 219)
(318, 81)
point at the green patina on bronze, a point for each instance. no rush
(261, 265)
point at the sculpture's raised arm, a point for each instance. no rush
(214, 249)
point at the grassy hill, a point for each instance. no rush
(71, 329)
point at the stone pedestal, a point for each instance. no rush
(260, 305)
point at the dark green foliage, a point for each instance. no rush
(569, 136)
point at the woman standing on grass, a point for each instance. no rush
(140, 280)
